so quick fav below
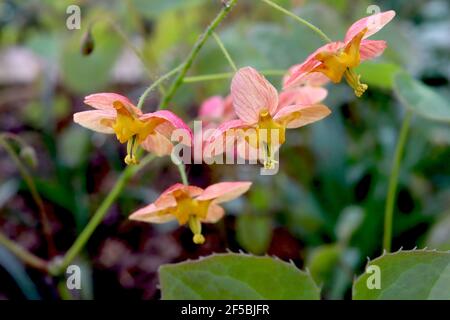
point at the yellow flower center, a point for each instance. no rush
(336, 65)
(268, 129)
(269, 134)
(192, 211)
(129, 128)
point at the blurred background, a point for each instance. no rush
(324, 210)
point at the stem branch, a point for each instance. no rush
(302, 21)
(32, 188)
(98, 216)
(225, 51)
(227, 75)
(23, 254)
(195, 50)
(155, 84)
(182, 169)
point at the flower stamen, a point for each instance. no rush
(132, 147)
(196, 227)
(269, 162)
(353, 81)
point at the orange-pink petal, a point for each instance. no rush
(251, 93)
(214, 214)
(300, 73)
(158, 144)
(212, 108)
(105, 100)
(97, 120)
(373, 23)
(222, 137)
(370, 49)
(192, 191)
(304, 95)
(153, 214)
(298, 115)
(164, 122)
(311, 79)
(224, 191)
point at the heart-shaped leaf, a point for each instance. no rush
(420, 98)
(406, 275)
(236, 276)
(378, 74)
(254, 232)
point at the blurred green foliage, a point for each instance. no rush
(330, 193)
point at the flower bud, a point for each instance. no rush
(87, 43)
(28, 154)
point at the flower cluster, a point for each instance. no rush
(255, 115)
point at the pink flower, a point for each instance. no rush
(304, 95)
(212, 112)
(192, 205)
(115, 114)
(315, 79)
(337, 59)
(216, 109)
(260, 115)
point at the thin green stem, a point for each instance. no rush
(227, 75)
(23, 254)
(31, 187)
(297, 18)
(393, 182)
(155, 84)
(98, 216)
(194, 52)
(182, 169)
(225, 51)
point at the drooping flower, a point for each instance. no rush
(256, 103)
(338, 59)
(115, 114)
(314, 79)
(191, 205)
(303, 95)
(308, 90)
(211, 113)
(216, 109)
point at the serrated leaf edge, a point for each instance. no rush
(400, 251)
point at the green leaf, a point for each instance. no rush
(234, 277)
(407, 275)
(8, 189)
(86, 74)
(17, 271)
(254, 232)
(322, 261)
(153, 9)
(380, 75)
(55, 192)
(421, 99)
(349, 220)
(170, 33)
(73, 145)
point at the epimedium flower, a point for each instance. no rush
(302, 95)
(338, 59)
(115, 114)
(191, 205)
(308, 90)
(314, 79)
(216, 109)
(263, 113)
(212, 112)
